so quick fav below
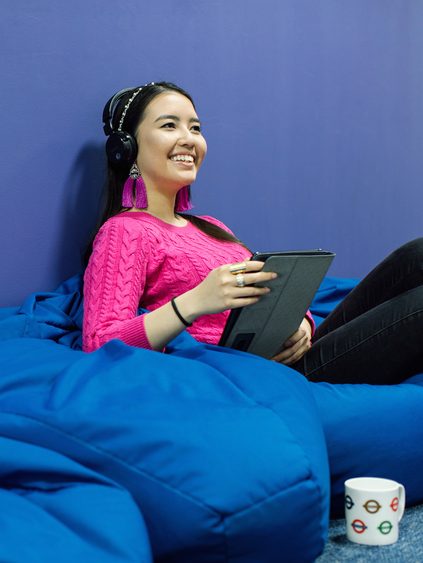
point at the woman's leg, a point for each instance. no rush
(400, 271)
(375, 334)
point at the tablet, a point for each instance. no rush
(263, 328)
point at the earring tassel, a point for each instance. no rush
(134, 184)
(127, 194)
(183, 202)
(140, 194)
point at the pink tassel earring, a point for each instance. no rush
(136, 184)
(183, 202)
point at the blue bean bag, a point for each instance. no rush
(373, 431)
(54, 509)
(370, 430)
(224, 454)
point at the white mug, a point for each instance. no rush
(373, 509)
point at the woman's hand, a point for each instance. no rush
(296, 345)
(219, 290)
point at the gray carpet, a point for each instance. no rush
(408, 549)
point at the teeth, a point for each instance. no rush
(182, 157)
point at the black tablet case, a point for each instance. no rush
(262, 328)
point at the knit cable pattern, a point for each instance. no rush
(139, 260)
(113, 283)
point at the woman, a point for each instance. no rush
(190, 271)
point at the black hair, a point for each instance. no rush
(116, 175)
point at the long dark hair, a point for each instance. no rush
(116, 175)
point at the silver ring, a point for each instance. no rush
(240, 280)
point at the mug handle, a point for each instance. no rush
(401, 505)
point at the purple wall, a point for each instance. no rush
(312, 111)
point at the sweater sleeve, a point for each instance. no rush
(113, 284)
(310, 319)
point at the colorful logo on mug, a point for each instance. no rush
(385, 527)
(394, 504)
(372, 506)
(348, 502)
(359, 526)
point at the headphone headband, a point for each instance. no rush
(110, 110)
(111, 106)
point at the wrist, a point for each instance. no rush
(186, 306)
(178, 313)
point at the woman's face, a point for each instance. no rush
(171, 145)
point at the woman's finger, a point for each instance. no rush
(253, 265)
(250, 290)
(294, 338)
(248, 279)
(249, 266)
(290, 352)
(243, 302)
(239, 297)
(298, 355)
(259, 277)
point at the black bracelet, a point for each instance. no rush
(178, 314)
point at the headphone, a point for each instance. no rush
(121, 147)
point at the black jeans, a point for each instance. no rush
(375, 335)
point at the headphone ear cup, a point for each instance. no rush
(121, 148)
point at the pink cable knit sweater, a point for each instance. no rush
(140, 261)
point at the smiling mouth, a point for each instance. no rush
(184, 158)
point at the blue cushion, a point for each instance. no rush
(54, 509)
(370, 430)
(374, 431)
(223, 452)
